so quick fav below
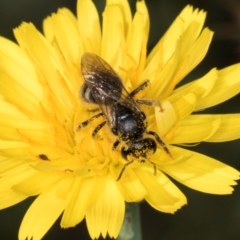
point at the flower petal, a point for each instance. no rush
(13, 176)
(165, 117)
(76, 206)
(202, 173)
(136, 46)
(24, 131)
(171, 37)
(9, 198)
(47, 207)
(7, 164)
(228, 130)
(89, 26)
(81, 198)
(205, 127)
(162, 194)
(37, 183)
(62, 28)
(126, 12)
(163, 76)
(192, 130)
(12, 144)
(197, 51)
(58, 88)
(200, 87)
(182, 62)
(142, 8)
(126, 188)
(113, 40)
(106, 216)
(17, 67)
(184, 106)
(227, 86)
(19, 84)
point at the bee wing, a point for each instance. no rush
(100, 78)
(91, 63)
(106, 86)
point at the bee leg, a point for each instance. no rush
(142, 86)
(84, 124)
(161, 142)
(124, 167)
(98, 128)
(115, 145)
(94, 110)
(148, 102)
(154, 168)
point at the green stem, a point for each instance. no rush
(131, 228)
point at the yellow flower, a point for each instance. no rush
(72, 172)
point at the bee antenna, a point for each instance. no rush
(123, 169)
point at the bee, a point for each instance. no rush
(102, 86)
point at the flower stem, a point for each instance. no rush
(131, 228)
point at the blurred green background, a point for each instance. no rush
(207, 217)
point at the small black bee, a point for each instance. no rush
(104, 87)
